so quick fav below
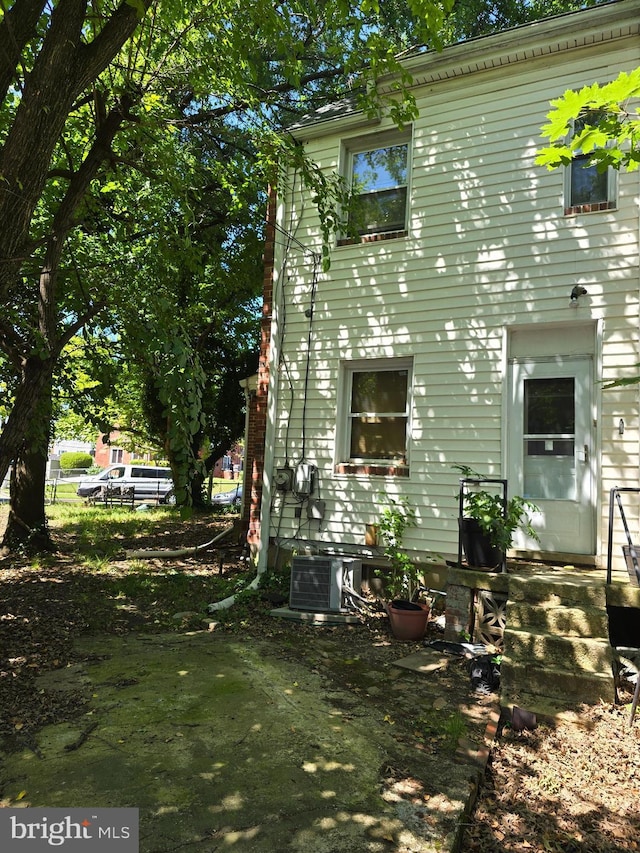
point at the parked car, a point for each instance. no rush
(147, 482)
(229, 498)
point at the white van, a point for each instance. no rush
(147, 482)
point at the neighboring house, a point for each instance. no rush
(229, 466)
(69, 446)
(475, 320)
(114, 453)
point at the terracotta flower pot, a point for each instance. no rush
(408, 623)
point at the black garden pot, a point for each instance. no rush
(477, 546)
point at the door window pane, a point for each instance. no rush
(549, 439)
(548, 407)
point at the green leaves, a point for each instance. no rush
(139, 6)
(597, 121)
(396, 518)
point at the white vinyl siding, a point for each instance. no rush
(488, 249)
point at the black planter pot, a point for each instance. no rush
(477, 546)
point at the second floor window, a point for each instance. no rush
(586, 188)
(379, 179)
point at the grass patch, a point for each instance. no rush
(105, 591)
(442, 727)
(104, 529)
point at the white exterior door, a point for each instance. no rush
(551, 459)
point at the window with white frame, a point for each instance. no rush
(378, 172)
(377, 406)
(116, 455)
(588, 189)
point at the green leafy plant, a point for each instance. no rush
(405, 577)
(75, 459)
(497, 519)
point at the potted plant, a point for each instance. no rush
(488, 521)
(407, 616)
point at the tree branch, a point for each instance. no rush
(17, 28)
(94, 57)
(12, 345)
(73, 328)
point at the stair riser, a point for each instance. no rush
(567, 688)
(566, 653)
(556, 595)
(568, 621)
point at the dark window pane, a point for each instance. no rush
(378, 438)
(550, 447)
(549, 407)
(379, 391)
(380, 212)
(588, 185)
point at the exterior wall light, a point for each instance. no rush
(576, 293)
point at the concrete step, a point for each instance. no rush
(572, 654)
(542, 590)
(584, 621)
(546, 709)
(623, 595)
(566, 689)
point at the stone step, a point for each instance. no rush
(542, 590)
(565, 688)
(556, 650)
(546, 709)
(584, 621)
(623, 595)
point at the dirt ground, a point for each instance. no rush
(570, 789)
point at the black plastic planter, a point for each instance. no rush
(477, 546)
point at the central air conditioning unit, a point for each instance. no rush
(320, 583)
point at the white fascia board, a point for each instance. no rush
(570, 31)
(330, 125)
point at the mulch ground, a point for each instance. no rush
(569, 789)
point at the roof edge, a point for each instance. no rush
(548, 36)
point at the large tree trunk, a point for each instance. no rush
(24, 424)
(27, 522)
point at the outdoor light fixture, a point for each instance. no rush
(576, 293)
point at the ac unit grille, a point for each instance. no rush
(311, 583)
(317, 583)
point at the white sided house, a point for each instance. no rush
(474, 322)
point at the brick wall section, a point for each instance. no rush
(257, 426)
(458, 612)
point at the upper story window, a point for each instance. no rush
(588, 190)
(378, 171)
(375, 428)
